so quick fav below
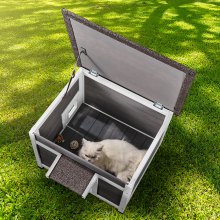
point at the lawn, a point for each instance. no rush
(183, 181)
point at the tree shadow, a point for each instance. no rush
(36, 49)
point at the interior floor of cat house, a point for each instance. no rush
(94, 125)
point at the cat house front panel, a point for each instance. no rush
(47, 157)
(109, 192)
(76, 158)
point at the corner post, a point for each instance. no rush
(127, 193)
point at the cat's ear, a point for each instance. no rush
(84, 141)
(100, 148)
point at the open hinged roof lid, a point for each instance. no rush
(128, 64)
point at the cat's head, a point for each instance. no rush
(91, 151)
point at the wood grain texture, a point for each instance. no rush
(133, 66)
(95, 126)
(53, 125)
(122, 107)
(109, 192)
(46, 156)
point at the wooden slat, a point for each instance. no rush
(129, 134)
(138, 140)
(79, 116)
(106, 131)
(88, 121)
(84, 119)
(147, 143)
(117, 130)
(97, 127)
(123, 108)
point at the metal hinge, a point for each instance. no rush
(94, 73)
(158, 105)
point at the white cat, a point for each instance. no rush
(116, 156)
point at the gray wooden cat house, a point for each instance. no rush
(120, 91)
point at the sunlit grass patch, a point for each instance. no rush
(36, 61)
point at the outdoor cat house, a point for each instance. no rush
(121, 91)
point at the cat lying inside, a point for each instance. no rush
(116, 156)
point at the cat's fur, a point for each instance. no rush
(116, 156)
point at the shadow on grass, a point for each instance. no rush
(37, 49)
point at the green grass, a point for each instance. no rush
(183, 181)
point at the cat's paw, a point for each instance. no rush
(124, 177)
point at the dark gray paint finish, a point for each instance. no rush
(109, 192)
(137, 68)
(95, 126)
(128, 67)
(53, 125)
(85, 122)
(70, 135)
(149, 161)
(47, 157)
(71, 174)
(183, 93)
(129, 135)
(78, 159)
(122, 107)
(79, 117)
(72, 38)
